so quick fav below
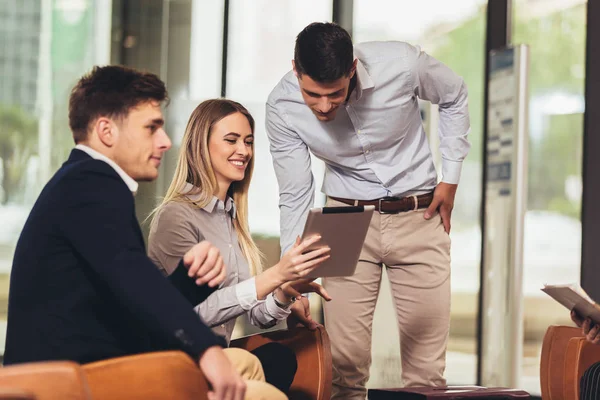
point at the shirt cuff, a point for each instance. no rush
(246, 293)
(274, 310)
(451, 171)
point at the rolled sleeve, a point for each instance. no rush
(221, 306)
(246, 294)
(274, 310)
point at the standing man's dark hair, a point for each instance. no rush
(324, 52)
(110, 91)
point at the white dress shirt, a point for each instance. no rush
(376, 146)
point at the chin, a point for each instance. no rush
(325, 118)
(147, 177)
(237, 178)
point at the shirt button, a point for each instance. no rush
(367, 152)
(359, 131)
(230, 245)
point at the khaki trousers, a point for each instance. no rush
(416, 253)
(249, 367)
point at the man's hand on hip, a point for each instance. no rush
(225, 382)
(443, 201)
(205, 264)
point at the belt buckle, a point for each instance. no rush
(381, 209)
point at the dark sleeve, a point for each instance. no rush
(99, 221)
(187, 286)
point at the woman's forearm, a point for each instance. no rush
(268, 281)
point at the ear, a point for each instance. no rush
(106, 131)
(353, 70)
(294, 68)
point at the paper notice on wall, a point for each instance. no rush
(502, 109)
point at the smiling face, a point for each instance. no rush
(141, 141)
(231, 146)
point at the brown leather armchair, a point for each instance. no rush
(565, 357)
(313, 352)
(44, 381)
(162, 375)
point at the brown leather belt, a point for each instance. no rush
(392, 205)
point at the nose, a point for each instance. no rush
(242, 149)
(325, 105)
(164, 143)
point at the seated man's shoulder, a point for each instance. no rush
(92, 173)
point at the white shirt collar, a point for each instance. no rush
(214, 203)
(129, 181)
(363, 80)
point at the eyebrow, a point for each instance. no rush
(238, 135)
(156, 121)
(321, 95)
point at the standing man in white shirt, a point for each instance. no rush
(356, 108)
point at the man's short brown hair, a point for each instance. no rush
(110, 91)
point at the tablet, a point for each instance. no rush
(344, 230)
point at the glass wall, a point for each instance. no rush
(261, 41)
(454, 33)
(555, 33)
(46, 45)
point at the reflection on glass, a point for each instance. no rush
(454, 33)
(44, 50)
(555, 33)
(261, 41)
(262, 35)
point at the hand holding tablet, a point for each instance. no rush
(302, 259)
(341, 229)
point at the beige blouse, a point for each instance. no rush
(177, 227)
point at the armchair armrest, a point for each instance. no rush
(313, 352)
(580, 355)
(163, 375)
(44, 381)
(552, 363)
(8, 393)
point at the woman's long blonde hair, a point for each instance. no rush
(194, 166)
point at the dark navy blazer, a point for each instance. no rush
(82, 287)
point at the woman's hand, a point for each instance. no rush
(297, 263)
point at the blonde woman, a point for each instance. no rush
(208, 200)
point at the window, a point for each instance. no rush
(454, 33)
(555, 34)
(36, 76)
(259, 54)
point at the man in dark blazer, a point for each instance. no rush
(82, 287)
